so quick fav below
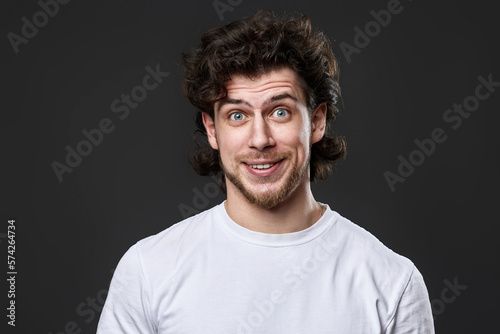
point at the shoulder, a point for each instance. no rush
(364, 247)
(161, 254)
(177, 236)
(374, 273)
(368, 262)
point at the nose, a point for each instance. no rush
(261, 135)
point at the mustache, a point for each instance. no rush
(273, 156)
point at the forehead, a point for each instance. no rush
(283, 80)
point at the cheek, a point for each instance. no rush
(304, 133)
(228, 145)
(305, 137)
(297, 138)
(303, 128)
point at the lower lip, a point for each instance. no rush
(265, 171)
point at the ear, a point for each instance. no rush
(318, 123)
(210, 128)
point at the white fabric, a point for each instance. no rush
(208, 274)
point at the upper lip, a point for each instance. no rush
(261, 162)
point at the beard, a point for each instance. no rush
(271, 198)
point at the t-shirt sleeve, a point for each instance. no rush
(413, 314)
(127, 306)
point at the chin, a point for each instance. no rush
(267, 196)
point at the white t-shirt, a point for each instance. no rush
(208, 274)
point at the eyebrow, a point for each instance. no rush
(281, 96)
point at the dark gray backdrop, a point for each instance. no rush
(62, 77)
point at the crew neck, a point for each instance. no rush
(328, 218)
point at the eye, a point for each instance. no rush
(237, 116)
(280, 113)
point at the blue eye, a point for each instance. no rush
(280, 113)
(237, 116)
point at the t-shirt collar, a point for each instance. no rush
(276, 240)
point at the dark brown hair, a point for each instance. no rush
(252, 47)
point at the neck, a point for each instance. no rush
(297, 212)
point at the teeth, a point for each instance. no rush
(264, 166)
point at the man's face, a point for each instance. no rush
(264, 133)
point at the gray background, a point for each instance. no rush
(71, 234)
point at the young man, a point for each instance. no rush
(269, 259)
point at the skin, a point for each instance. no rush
(265, 120)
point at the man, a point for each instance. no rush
(269, 259)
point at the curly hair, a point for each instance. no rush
(252, 47)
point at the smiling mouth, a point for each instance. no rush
(262, 166)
